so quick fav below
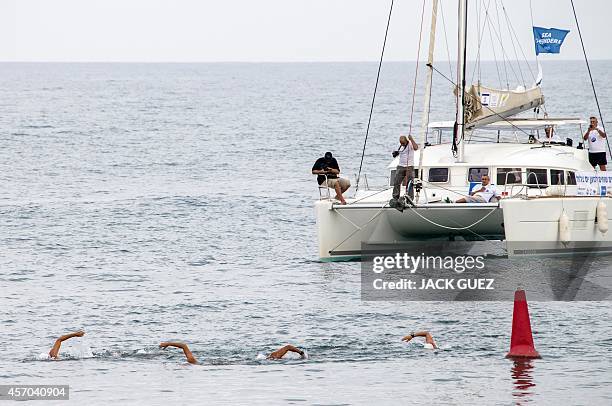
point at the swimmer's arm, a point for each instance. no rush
(280, 353)
(190, 358)
(58, 343)
(428, 337)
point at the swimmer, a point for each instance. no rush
(54, 353)
(190, 358)
(280, 353)
(428, 338)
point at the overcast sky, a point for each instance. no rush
(270, 30)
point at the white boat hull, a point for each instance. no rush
(529, 226)
(343, 229)
(526, 218)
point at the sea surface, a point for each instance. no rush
(153, 202)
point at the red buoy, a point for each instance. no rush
(521, 344)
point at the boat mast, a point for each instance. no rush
(461, 60)
(430, 58)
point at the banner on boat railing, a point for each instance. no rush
(591, 183)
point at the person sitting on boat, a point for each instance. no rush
(405, 167)
(54, 352)
(549, 133)
(430, 343)
(551, 136)
(480, 193)
(597, 145)
(328, 170)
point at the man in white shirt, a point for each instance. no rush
(405, 168)
(551, 135)
(482, 194)
(597, 145)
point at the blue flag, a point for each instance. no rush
(548, 40)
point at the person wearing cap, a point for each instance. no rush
(405, 167)
(327, 170)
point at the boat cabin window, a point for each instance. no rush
(439, 175)
(557, 177)
(537, 177)
(513, 175)
(571, 178)
(475, 174)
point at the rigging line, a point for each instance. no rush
(481, 36)
(603, 124)
(536, 55)
(370, 195)
(429, 103)
(493, 48)
(450, 65)
(475, 98)
(532, 24)
(512, 43)
(365, 142)
(357, 228)
(416, 73)
(454, 228)
(504, 54)
(518, 41)
(477, 36)
(505, 58)
(479, 9)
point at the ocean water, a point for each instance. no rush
(154, 202)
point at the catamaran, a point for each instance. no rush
(538, 209)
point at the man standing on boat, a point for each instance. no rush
(404, 170)
(327, 169)
(597, 145)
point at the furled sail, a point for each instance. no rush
(485, 105)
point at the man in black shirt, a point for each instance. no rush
(328, 170)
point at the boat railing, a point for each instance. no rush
(324, 192)
(522, 186)
(364, 177)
